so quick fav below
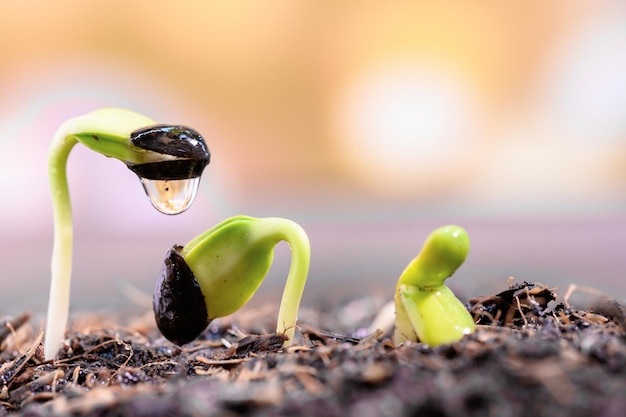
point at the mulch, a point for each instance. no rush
(530, 356)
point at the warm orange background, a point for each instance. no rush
(368, 123)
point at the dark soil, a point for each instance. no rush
(529, 357)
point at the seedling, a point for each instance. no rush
(427, 310)
(168, 160)
(217, 273)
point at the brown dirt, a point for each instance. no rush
(528, 357)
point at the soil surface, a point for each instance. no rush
(530, 356)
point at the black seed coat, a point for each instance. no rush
(179, 307)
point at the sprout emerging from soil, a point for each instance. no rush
(427, 310)
(217, 273)
(168, 160)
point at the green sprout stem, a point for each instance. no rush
(427, 310)
(105, 131)
(297, 239)
(58, 304)
(219, 271)
(248, 243)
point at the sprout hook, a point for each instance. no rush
(216, 273)
(427, 310)
(167, 159)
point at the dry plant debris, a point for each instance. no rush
(530, 356)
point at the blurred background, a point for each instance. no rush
(370, 124)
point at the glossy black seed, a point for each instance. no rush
(180, 169)
(187, 147)
(179, 141)
(179, 308)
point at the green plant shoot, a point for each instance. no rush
(167, 159)
(217, 273)
(427, 310)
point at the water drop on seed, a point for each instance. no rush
(171, 196)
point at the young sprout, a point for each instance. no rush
(426, 310)
(168, 160)
(217, 272)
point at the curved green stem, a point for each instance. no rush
(296, 237)
(427, 310)
(106, 131)
(61, 265)
(230, 260)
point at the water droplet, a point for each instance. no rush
(171, 196)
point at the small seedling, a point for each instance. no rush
(217, 273)
(427, 310)
(168, 160)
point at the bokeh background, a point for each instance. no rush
(369, 123)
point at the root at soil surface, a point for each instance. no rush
(529, 356)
